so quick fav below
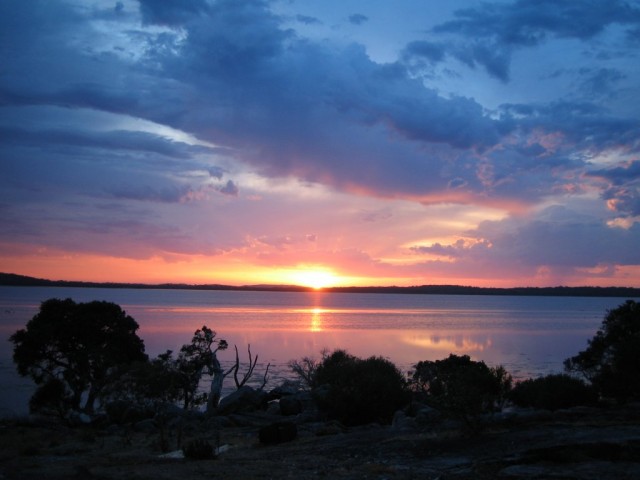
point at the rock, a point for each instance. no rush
(278, 433)
(78, 419)
(123, 411)
(290, 405)
(147, 426)
(288, 387)
(330, 428)
(273, 407)
(402, 422)
(245, 399)
(426, 415)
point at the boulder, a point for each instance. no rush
(278, 432)
(288, 387)
(245, 399)
(290, 405)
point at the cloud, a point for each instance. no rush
(556, 237)
(491, 32)
(622, 190)
(308, 20)
(168, 108)
(229, 188)
(433, 52)
(358, 19)
(171, 12)
(110, 140)
(602, 81)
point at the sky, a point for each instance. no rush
(334, 142)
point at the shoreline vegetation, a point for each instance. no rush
(11, 279)
(345, 417)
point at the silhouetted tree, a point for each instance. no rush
(611, 361)
(461, 386)
(357, 391)
(553, 392)
(73, 351)
(200, 357)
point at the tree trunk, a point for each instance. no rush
(91, 399)
(217, 379)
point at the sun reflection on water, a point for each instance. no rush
(316, 319)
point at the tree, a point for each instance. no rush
(611, 361)
(461, 386)
(200, 357)
(553, 392)
(357, 391)
(72, 351)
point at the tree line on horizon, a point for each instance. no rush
(12, 279)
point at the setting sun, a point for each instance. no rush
(314, 278)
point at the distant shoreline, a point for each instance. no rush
(10, 279)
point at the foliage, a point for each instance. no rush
(306, 368)
(198, 449)
(553, 392)
(611, 361)
(461, 386)
(75, 350)
(200, 357)
(150, 385)
(51, 398)
(360, 391)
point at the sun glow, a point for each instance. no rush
(316, 279)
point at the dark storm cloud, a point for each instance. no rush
(586, 124)
(171, 12)
(495, 30)
(433, 52)
(231, 74)
(319, 112)
(602, 81)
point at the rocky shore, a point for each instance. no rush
(581, 443)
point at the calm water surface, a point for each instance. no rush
(528, 335)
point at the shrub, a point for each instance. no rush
(305, 369)
(553, 392)
(198, 449)
(51, 398)
(359, 391)
(611, 362)
(460, 386)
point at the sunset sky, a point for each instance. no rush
(333, 142)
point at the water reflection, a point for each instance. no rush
(316, 319)
(452, 343)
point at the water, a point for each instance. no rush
(530, 336)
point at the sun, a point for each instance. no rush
(316, 279)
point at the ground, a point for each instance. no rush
(577, 444)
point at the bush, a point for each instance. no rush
(198, 449)
(460, 386)
(611, 362)
(553, 392)
(51, 398)
(358, 391)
